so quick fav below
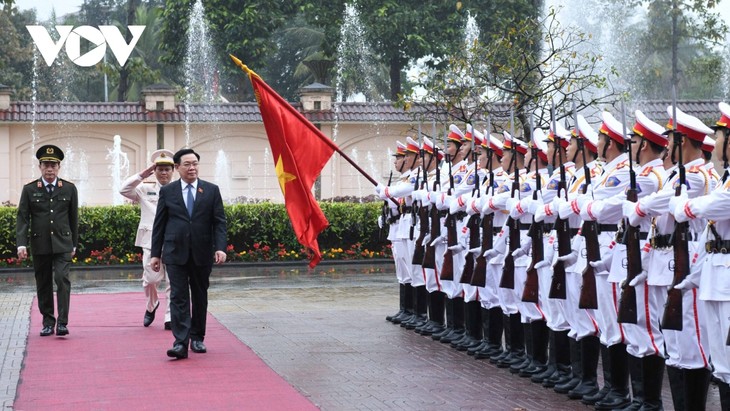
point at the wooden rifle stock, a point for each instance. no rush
(479, 279)
(672, 319)
(532, 285)
(447, 270)
(420, 250)
(562, 231)
(429, 258)
(508, 269)
(627, 302)
(474, 241)
(588, 294)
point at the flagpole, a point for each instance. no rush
(319, 133)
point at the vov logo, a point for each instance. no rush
(71, 37)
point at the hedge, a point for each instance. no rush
(112, 229)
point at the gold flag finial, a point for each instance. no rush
(243, 67)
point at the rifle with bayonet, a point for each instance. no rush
(414, 211)
(385, 211)
(627, 302)
(447, 269)
(429, 258)
(472, 224)
(588, 295)
(420, 251)
(508, 269)
(479, 279)
(530, 294)
(561, 225)
(672, 319)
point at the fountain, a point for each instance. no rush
(200, 68)
(119, 169)
(76, 169)
(223, 174)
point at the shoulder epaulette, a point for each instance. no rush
(645, 172)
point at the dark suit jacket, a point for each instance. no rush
(53, 219)
(176, 236)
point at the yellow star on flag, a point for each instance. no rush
(282, 175)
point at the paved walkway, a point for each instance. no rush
(324, 332)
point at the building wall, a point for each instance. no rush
(237, 157)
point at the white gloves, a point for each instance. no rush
(691, 281)
(676, 206)
(475, 250)
(457, 248)
(542, 264)
(523, 249)
(639, 278)
(569, 259)
(491, 253)
(603, 265)
(438, 240)
(381, 223)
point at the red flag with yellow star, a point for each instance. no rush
(300, 152)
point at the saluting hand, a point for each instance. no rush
(147, 172)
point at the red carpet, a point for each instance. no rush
(109, 361)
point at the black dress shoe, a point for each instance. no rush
(168, 325)
(61, 329)
(198, 347)
(149, 316)
(46, 331)
(178, 351)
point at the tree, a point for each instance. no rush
(243, 29)
(15, 52)
(534, 63)
(690, 55)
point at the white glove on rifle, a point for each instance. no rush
(603, 265)
(569, 259)
(491, 253)
(639, 278)
(475, 250)
(542, 264)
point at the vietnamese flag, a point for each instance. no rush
(300, 152)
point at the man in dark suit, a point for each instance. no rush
(188, 235)
(49, 211)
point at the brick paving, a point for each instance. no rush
(324, 332)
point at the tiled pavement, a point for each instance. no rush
(325, 333)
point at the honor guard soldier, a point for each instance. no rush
(513, 163)
(714, 279)
(399, 231)
(47, 222)
(146, 195)
(644, 338)
(558, 371)
(604, 206)
(687, 364)
(389, 217)
(432, 156)
(584, 332)
(492, 176)
(451, 172)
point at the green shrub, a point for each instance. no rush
(111, 231)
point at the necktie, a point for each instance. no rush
(191, 200)
(49, 187)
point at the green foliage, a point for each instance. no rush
(111, 230)
(699, 65)
(243, 29)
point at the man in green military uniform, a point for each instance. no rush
(48, 223)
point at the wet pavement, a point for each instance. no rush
(323, 330)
